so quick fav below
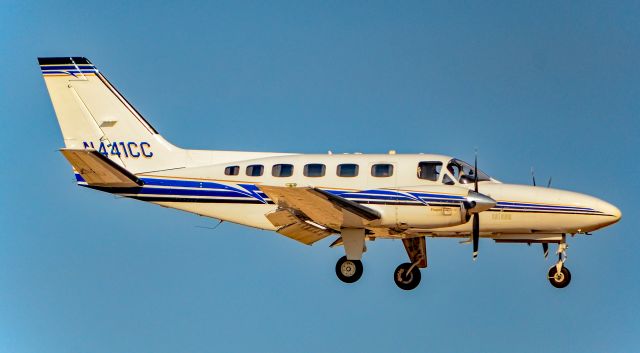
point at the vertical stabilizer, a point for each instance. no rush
(93, 115)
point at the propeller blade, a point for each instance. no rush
(545, 249)
(476, 235)
(476, 217)
(475, 171)
(549, 183)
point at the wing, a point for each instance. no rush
(99, 170)
(309, 214)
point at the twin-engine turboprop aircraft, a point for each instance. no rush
(359, 197)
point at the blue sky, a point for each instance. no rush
(552, 85)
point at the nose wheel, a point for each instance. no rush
(559, 279)
(349, 271)
(407, 276)
(558, 275)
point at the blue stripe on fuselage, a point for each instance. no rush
(178, 187)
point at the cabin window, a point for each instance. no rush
(429, 170)
(232, 170)
(255, 170)
(347, 170)
(382, 170)
(314, 170)
(282, 170)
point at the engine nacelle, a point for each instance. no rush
(435, 206)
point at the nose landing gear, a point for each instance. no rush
(559, 279)
(559, 276)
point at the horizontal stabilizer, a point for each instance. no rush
(98, 170)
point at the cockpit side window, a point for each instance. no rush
(447, 180)
(454, 169)
(464, 172)
(429, 170)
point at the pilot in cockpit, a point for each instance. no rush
(466, 178)
(464, 173)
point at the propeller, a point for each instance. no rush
(545, 246)
(476, 216)
(474, 204)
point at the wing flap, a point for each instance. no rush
(299, 205)
(98, 170)
(295, 228)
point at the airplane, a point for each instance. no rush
(309, 197)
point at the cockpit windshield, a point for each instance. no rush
(464, 172)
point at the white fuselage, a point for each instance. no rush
(409, 205)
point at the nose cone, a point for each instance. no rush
(552, 210)
(479, 202)
(602, 213)
(609, 210)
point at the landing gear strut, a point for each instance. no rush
(558, 275)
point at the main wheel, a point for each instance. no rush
(407, 280)
(559, 279)
(349, 271)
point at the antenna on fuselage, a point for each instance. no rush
(214, 227)
(533, 176)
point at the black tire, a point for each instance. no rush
(559, 280)
(349, 271)
(407, 280)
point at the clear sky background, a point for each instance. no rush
(551, 84)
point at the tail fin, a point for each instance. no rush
(93, 115)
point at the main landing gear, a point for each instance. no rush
(558, 275)
(349, 271)
(349, 268)
(407, 276)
